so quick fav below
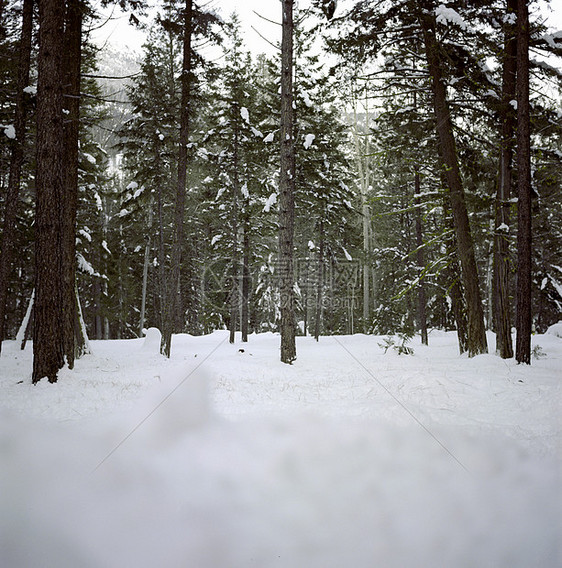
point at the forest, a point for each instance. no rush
(395, 168)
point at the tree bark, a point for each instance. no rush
(179, 209)
(234, 276)
(477, 342)
(422, 318)
(245, 312)
(319, 284)
(523, 324)
(71, 103)
(147, 249)
(286, 191)
(502, 308)
(48, 333)
(16, 161)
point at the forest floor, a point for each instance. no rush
(224, 457)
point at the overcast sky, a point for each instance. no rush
(121, 34)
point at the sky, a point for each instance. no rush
(254, 15)
(119, 32)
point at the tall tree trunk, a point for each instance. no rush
(179, 209)
(234, 276)
(422, 318)
(286, 190)
(523, 324)
(502, 316)
(362, 153)
(319, 284)
(71, 103)
(162, 295)
(48, 333)
(147, 249)
(456, 293)
(16, 161)
(477, 342)
(245, 313)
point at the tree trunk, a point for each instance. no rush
(16, 161)
(23, 332)
(147, 249)
(458, 304)
(286, 191)
(71, 103)
(179, 210)
(235, 277)
(319, 284)
(162, 295)
(363, 169)
(523, 325)
(476, 330)
(48, 333)
(82, 344)
(422, 318)
(502, 316)
(245, 276)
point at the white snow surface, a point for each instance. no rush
(446, 15)
(224, 457)
(10, 131)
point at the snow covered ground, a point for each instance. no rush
(223, 457)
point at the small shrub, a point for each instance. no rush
(399, 346)
(538, 353)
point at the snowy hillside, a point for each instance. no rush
(224, 457)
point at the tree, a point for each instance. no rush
(501, 308)
(523, 307)
(476, 330)
(48, 332)
(16, 160)
(171, 312)
(72, 66)
(286, 191)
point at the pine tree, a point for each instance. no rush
(48, 333)
(287, 190)
(16, 159)
(524, 318)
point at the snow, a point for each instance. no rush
(555, 329)
(308, 140)
(84, 265)
(445, 15)
(270, 202)
(269, 137)
(306, 99)
(347, 255)
(223, 456)
(245, 114)
(513, 103)
(30, 90)
(10, 131)
(85, 232)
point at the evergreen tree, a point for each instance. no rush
(287, 190)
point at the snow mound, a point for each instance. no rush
(152, 340)
(555, 329)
